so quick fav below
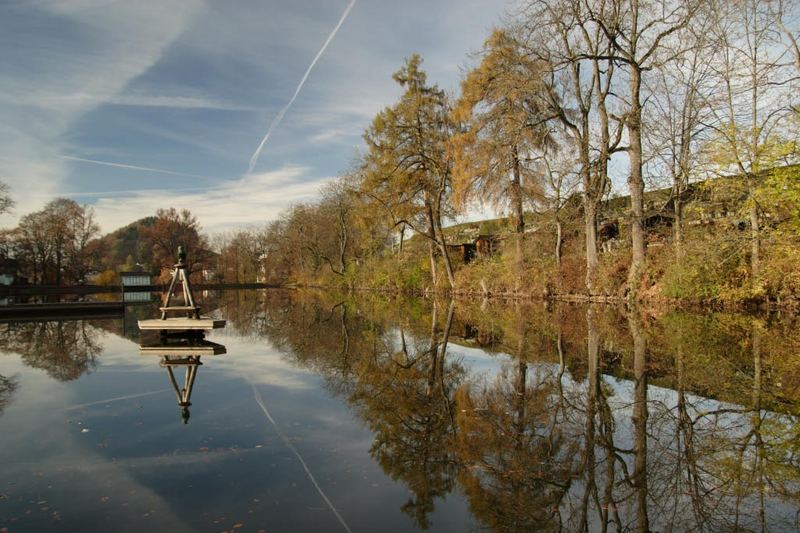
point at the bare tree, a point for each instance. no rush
(753, 73)
(681, 93)
(637, 31)
(564, 36)
(6, 202)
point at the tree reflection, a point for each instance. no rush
(405, 393)
(64, 349)
(597, 420)
(517, 464)
(8, 386)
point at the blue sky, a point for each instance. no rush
(190, 87)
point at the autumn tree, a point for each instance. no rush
(637, 30)
(505, 123)
(407, 170)
(681, 92)
(53, 244)
(560, 180)
(172, 229)
(239, 256)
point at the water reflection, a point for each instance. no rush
(181, 351)
(8, 385)
(597, 420)
(571, 418)
(64, 348)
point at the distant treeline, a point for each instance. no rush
(60, 245)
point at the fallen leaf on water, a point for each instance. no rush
(237, 526)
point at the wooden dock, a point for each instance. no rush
(181, 324)
(182, 348)
(61, 311)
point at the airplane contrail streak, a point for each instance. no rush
(288, 443)
(131, 167)
(282, 112)
(123, 192)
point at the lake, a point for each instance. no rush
(331, 412)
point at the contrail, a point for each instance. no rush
(116, 399)
(122, 192)
(132, 167)
(288, 443)
(279, 116)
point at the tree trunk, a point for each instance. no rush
(677, 225)
(431, 242)
(448, 265)
(755, 241)
(559, 239)
(590, 228)
(58, 266)
(440, 238)
(636, 186)
(519, 218)
(343, 244)
(516, 193)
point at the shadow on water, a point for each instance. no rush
(567, 418)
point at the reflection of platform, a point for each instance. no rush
(182, 324)
(181, 347)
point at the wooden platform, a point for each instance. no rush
(183, 349)
(181, 324)
(62, 310)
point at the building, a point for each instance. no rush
(137, 278)
(129, 281)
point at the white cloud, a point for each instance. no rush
(90, 78)
(180, 102)
(254, 198)
(61, 60)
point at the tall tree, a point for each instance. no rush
(53, 243)
(564, 35)
(753, 68)
(681, 93)
(407, 168)
(505, 122)
(637, 30)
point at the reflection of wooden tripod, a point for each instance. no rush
(180, 274)
(184, 394)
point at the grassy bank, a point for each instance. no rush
(712, 269)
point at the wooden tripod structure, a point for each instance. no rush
(180, 276)
(184, 393)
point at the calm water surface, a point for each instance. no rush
(331, 413)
